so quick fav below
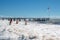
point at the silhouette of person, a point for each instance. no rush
(16, 21)
(10, 22)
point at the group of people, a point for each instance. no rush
(17, 21)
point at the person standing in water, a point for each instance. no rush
(17, 21)
(26, 21)
(10, 22)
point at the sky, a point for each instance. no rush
(30, 8)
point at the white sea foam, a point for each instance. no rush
(36, 31)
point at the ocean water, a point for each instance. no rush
(32, 28)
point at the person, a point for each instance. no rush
(10, 22)
(25, 22)
(16, 21)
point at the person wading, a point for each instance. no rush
(16, 21)
(10, 22)
(25, 22)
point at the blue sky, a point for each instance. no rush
(30, 8)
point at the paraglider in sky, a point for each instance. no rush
(48, 11)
